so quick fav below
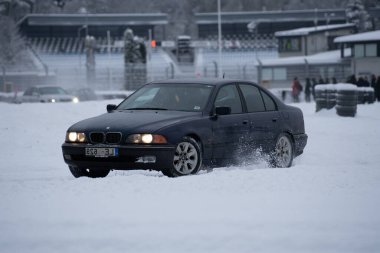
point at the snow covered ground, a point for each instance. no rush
(328, 201)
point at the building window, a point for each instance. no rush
(267, 74)
(371, 50)
(279, 73)
(290, 44)
(276, 74)
(359, 50)
(365, 50)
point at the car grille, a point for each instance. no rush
(97, 137)
(113, 138)
(110, 138)
(65, 100)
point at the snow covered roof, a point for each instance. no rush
(269, 16)
(312, 29)
(367, 36)
(330, 57)
(95, 19)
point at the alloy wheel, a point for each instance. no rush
(185, 158)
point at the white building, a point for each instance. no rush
(310, 40)
(363, 52)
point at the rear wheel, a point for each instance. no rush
(87, 172)
(284, 152)
(187, 159)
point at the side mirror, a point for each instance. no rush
(111, 108)
(223, 110)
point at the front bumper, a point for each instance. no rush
(300, 141)
(127, 159)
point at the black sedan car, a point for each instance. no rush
(177, 126)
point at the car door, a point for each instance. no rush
(263, 116)
(26, 97)
(229, 130)
(35, 95)
(31, 95)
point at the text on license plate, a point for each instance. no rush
(101, 152)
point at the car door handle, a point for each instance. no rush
(245, 122)
(274, 119)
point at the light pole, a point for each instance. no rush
(79, 48)
(253, 27)
(220, 73)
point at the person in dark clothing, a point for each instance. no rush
(321, 81)
(366, 82)
(377, 88)
(373, 81)
(352, 79)
(307, 90)
(361, 82)
(334, 80)
(314, 83)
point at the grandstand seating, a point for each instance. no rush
(70, 45)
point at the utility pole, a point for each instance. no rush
(220, 73)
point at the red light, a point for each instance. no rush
(153, 43)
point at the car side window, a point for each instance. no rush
(28, 92)
(252, 98)
(35, 92)
(268, 101)
(229, 96)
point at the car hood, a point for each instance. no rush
(133, 121)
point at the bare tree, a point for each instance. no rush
(11, 43)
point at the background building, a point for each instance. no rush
(310, 40)
(362, 51)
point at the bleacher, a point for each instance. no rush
(72, 45)
(245, 41)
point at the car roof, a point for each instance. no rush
(205, 81)
(45, 86)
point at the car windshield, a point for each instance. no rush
(178, 97)
(52, 90)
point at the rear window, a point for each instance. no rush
(268, 101)
(252, 98)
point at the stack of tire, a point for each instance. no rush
(346, 100)
(325, 96)
(366, 95)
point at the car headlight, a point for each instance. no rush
(146, 139)
(75, 100)
(52, 100)
(75, 137)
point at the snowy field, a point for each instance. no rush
(328, 201)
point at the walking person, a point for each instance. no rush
(321, 81)
(314, 81)
(377, 89)
(352, 79)
(373, 81)
(307, 90)
(296, 90)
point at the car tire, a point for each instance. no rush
(86, 172)
(283, 153)
(187, 159)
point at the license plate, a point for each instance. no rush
(101, 152)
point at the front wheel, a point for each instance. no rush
(86, 172)
(284, 152)
(187, 159)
